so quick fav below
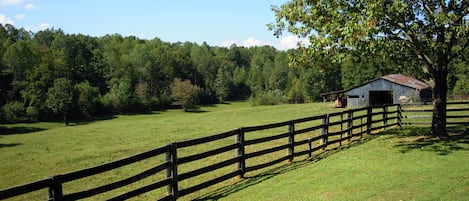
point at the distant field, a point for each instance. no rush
(35, 151)
(398, 165)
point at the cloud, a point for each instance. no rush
(290, 42)
(20, 16)
(30, 6)
(250, 42)
(37, 28)
(5, 20)
(10, 2)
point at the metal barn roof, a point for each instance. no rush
(394, 78)
(406, 81)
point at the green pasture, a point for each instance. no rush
(30, 152)
(399, 164)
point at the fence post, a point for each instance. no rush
(349, 124)
(399, 115)
(369, 118)
(169, 188)
(240, 151)
(325, 123)
(291, 141)
(55, 190)
(385, 116)
(174, 171)
(341, 127)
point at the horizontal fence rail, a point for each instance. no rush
(252, 149)
(456, 114)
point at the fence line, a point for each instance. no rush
(303, 137)
(424, 116)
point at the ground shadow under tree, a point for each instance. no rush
(419, 138)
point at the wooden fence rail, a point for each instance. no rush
(299, 137)
(454, 116)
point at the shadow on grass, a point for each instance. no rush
(9, 145)
(419, 138)
(19, 130)
(254, 180)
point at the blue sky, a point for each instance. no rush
(217, 22)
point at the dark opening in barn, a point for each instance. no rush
(380, 97)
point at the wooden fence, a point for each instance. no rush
(296, 138)
(456, 114)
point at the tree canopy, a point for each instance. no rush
(118, 74)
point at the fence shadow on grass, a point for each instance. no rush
(19, 130)
(418, 138)
(257, 179)
(9, 145)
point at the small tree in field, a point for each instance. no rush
(60, 98)
(184, 93)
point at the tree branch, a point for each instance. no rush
(429, 67)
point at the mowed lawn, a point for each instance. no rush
(29, 152)
(394, 165)
(399, 164)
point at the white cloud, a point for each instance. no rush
(5, 20)
(30, 6)
(290, 42)
(250, 42)
(20, 16)
(10, 2)
(37, 28)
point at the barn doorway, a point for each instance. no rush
(380, 97)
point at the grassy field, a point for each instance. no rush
(398, 164)
(401, 164)
(31, 152)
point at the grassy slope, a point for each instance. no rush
(389, 167)
(386, 167)
(58, 149)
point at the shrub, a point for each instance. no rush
(271, 97)
(14, 112)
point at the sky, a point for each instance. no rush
(217, 22)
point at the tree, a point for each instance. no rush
(60, 98)
(431, 32)
(87, 98)
(184, 93)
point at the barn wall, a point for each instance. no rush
(359, 96)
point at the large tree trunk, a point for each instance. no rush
(439, 104)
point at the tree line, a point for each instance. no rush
(50, 75)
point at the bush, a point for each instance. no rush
(14, 112)
(271, 97)
(185, 94)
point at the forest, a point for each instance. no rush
(51, 75)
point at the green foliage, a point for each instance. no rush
(60, 98)
(430, 33)
(87, 98)
(14, 112)
(184, 93)
(270, 97)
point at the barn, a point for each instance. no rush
(389, 89)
